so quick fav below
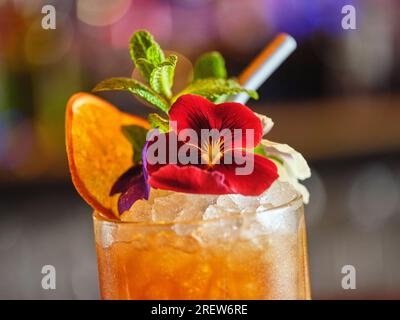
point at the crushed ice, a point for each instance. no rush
(168, 206)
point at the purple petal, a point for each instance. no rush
(145, 173)
(125, 180)
(136, 191)
(144, 160)
(132, 185)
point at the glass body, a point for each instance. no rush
(260, 255)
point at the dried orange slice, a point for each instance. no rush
(98, 152)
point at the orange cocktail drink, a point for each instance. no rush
(259, 255)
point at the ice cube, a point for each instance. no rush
(166, 209)
(225, 201)
(140, 211)
(281, 220)
(216, 230)
(216, 211)
(158, 193)
(279, 193)
(268, 217)
(245, 202)
(196, 205)
(189, 214)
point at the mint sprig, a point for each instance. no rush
(213, 89)
(209, 80)
(135, 87)
(155, 69)
(145, 53)
(210, 65)
(162, 77)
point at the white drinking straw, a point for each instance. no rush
(260, 69)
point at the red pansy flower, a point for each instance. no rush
(213, 175)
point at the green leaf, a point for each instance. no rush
(210, 65)
(214, 89)
(162, 77)
(154, 54)
(221, 98)
(137, 137)
(260, 150)
(143, 46)
(145, 67)
(275, 158)
(156, 121)
(136, 88)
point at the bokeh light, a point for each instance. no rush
(101, 12)
(152, 15)
(302, 18)
(16, 140)
(374, 196)
(20, 145)
(240, 29)
(44, 47)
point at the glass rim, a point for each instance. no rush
(98, 216)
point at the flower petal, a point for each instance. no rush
(189, 179)
(125, 180)
(191, 111)
(266, 122)
(295, 162)
(293, 166)
(149, 138)
(144, 166)
(286, 177)
(165, 152)
(264, 173)
(195, 112)
(132, 185)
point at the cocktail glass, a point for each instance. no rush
(257, 255)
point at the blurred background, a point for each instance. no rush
(336, 99)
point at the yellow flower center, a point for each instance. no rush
(212, 151)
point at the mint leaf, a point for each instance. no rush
(145, 67)
(137, 137)
(210, 65)
(260, 150)
(157, 121)
(136, 88)
(162, 77)
(215, 89)
(143, 46)
(154, 54)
